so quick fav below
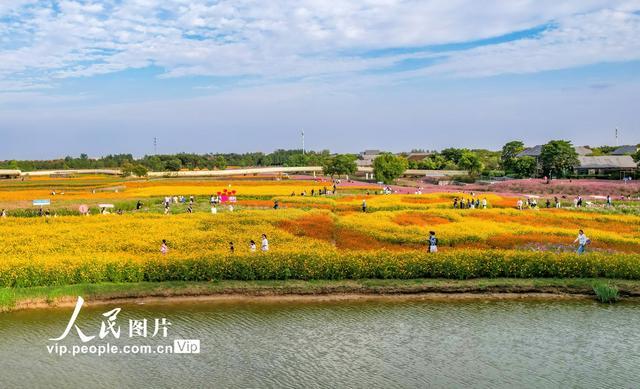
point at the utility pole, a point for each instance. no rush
(155, 145)
(617, 137)
(303, 151)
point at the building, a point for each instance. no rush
(535, 151)
(606, 165)
(9, 173)
(417, 157)
(625, 150)
(367, 157)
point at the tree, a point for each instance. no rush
(220, 162)
(131, 169)
(387, 167)
(140, 170)
(636, 156)
(339, 165)
(558, 157)
(174, 165)
(297, 160)
(509, 152)
(524, 166)
(453, 154)
(470, 162)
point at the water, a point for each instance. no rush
(362, 344)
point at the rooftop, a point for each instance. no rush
(625, 150)
(607, 162)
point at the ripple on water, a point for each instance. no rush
(344, 344)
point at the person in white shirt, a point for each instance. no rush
(520, 204)
(265, 243)
(252, 246)
(582, 241)
(484, 203)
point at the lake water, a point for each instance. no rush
(357, 344)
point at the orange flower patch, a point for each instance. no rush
(418, 219)
(313, 226)
(425, 200)
(348, 239)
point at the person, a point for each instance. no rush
(231, 248)
(609, 202)
(433, 242)
(163, 248)
(548, 203)
(252, 245)
(138, 205)
(455, 202)
(3, 214)
(364, 205)
(276, 204)
(519, 204)
(582, 241)
(214, 209)
(265, 243)
(190, 209)
(166, 210)
(484, 203)
(557, 201)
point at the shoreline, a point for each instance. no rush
(14, 299)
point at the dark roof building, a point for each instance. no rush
(606, 165)
(625, 150)
(535, 151)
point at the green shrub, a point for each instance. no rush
(606, 293)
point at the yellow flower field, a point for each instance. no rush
(327, 233)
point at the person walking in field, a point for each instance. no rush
(557, 201)
(609, 202)
(582, 241)
(252, 246)
(138, 205)
(364, 205)
(163, 248)
(265, 243)
(433, 242)
(484, 203)
(3, 214)
(519, 204)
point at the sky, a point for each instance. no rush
(104, 77)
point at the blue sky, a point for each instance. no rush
(220, 76)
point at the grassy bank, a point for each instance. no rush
(21, 298)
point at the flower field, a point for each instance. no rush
(311, 237)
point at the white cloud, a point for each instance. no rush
(279, 39)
